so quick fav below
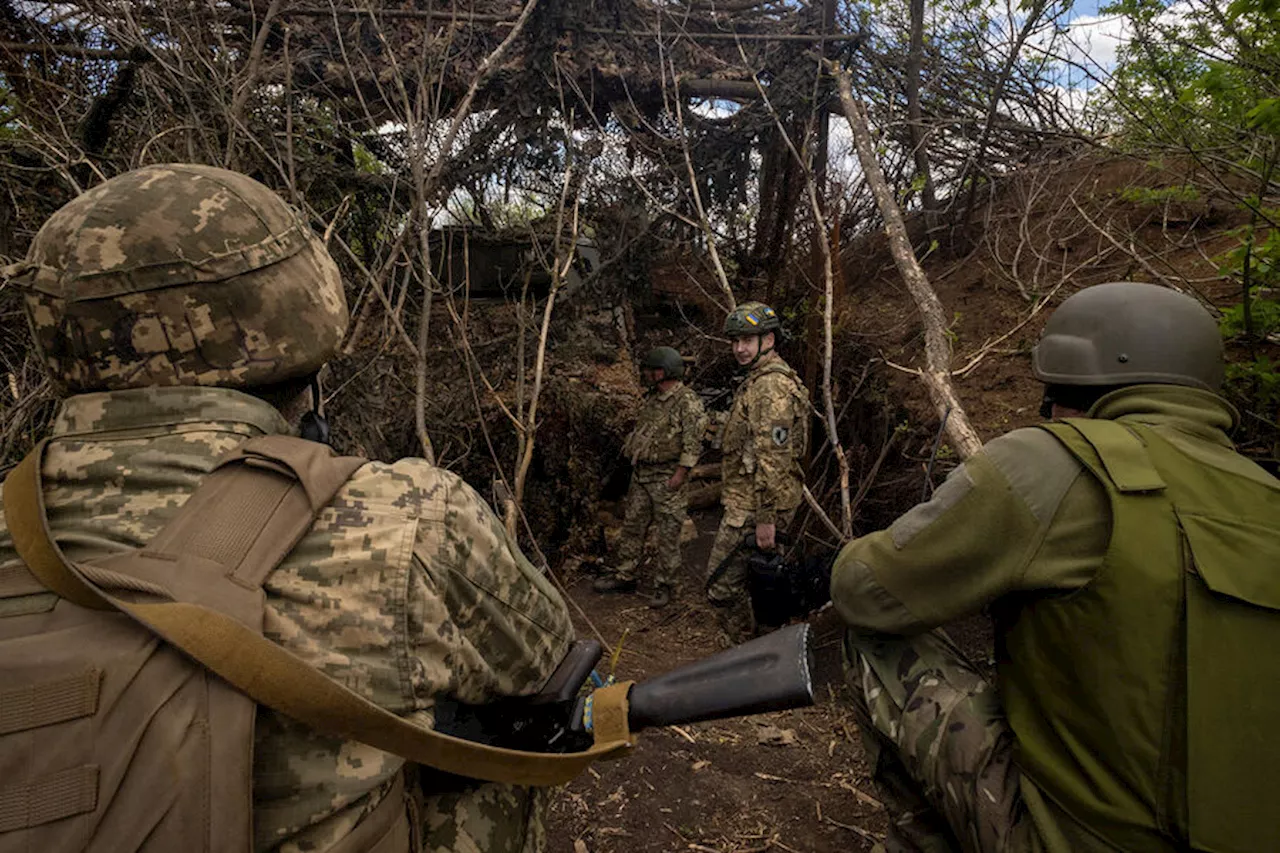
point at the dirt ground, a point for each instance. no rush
(788, 781)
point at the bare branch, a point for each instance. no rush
(937, 374)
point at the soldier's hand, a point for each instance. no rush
(766, 536)
(678, 478)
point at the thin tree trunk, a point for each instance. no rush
(937, 371)
(420, 390)
(708, 233)
(241, 98)
(1028, 26)
(919, 139)
(560, 268)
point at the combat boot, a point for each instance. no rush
(661, 596)
(611, 585)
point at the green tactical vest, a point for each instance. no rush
(1145, 705)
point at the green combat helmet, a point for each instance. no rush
(751, 318)
(180, 275)
(667, 359)
(1125, 333)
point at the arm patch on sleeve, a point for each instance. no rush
(953, 490)
(780, 435)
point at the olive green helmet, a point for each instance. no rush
(180, 275)
(666, 358)
(1126, 333)
(751, 318)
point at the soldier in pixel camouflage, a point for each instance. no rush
(184, 309)
(663, 446)
(764, 440)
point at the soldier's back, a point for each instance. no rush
(406, 588)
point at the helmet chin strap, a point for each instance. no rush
(314, 426)
(760, 352)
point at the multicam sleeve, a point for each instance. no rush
(693, 425)
(771, 415)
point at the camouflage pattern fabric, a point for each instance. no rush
(764, 441)
(939, 745)
(668, 432)
(729, 594)
(406, 588)
(651, 502)
(489, 819)
(180, 275)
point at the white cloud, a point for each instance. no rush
(1094, 40)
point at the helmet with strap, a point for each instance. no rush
(180, 275)
(666, 359)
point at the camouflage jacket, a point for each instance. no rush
(764, 441)
(406, 589)
(668, 432)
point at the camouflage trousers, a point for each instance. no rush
(491, 818)
(446, 815)
(938, 744)
(729, 593)
(651, 503)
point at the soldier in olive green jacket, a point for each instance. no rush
(663, 446)
(1129, 556)
(764, 441)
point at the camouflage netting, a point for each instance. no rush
(583, 133)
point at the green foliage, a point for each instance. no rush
(1200, 76)
(1263, 315)
(365, 160)
(1196, 75)
(1159, 195)
(1256, 261)
(1257, 380)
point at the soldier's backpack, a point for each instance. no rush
(128, 696)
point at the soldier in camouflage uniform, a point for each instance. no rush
(1128, 555)
(186, 309)
(663, 446)
(764, 440)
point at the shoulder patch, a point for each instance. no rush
(954, 489)
(1039, 468)
(780, 435)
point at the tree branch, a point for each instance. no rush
(937, 373)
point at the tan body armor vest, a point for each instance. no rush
(127, 703)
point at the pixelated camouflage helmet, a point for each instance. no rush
(751, 318)
(1126, 333)
(667, 359)
(180, 275)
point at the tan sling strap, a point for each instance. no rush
(155, 595)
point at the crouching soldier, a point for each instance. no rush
(1129, 555)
